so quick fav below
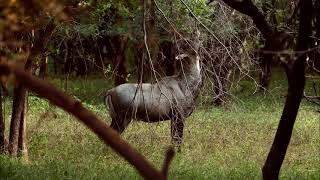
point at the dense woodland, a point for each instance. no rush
(259, 82)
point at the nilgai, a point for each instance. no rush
(169, 98)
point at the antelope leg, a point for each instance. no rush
(119, 124)
(177, 132)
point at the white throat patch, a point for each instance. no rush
(198, 63)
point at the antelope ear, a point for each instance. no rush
(181, 56)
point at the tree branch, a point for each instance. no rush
(74, 107)
(169, 156)
(248, 8)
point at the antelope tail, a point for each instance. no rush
(109, 105)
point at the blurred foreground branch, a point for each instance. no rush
(73, 106)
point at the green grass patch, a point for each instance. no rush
(229, 142)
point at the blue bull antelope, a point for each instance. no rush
(170, 98)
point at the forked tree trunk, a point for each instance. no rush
(2, 124)
(296, 83)
(19, 102)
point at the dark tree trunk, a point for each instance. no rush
(121, 71)
(265, 62)
(68, 58)
(4, 89)
(119, 59)
(80, 63)
(265, 59)
(55, 66)
(17, 109)
(81, 67)
(21, 93)
(296, 82)
(20, 96)
(2, 124)
(314, 62)
(43, 73)
(168, 50)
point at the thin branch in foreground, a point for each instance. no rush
(73, 106)
(169, 156)
(312, 99)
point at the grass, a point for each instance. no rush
(229, 142)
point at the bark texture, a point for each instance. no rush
(22, 141)
(18, 105)
(296, 82)
(20, 92)
(43, 73)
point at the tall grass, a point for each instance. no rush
(229, 142)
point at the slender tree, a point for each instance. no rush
(295, 71)
(43, 72)
(19, 105)
(2, 124)
(18, 113)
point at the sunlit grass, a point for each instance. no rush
(229, 142)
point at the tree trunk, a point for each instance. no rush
(314, 62)
(168, 50)
(68, 58)
(265, 62)
(2, 124)
(81, 67)
(121, 71)
(120, 44)
(17, 109)
(22, 141)
(43, 73)
(19, 101)
(296, 83)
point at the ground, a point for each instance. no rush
(229, 142)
